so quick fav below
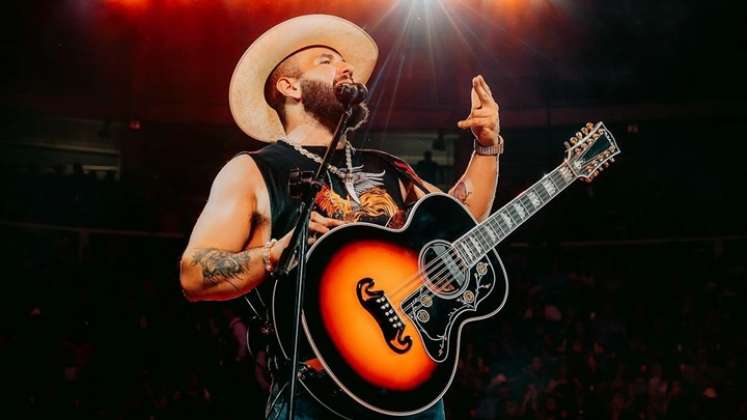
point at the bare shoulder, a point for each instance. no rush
(236, 196)
(238, 175)
(238, 171)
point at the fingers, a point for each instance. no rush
(318, 228)
(474, 98)
(321, 224)
(481, 95)
(326, 221)
(483, 112)
(282, 243)
(484, 122)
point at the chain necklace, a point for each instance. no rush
(348, 176)
(343, 174)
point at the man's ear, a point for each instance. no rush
(290, 87)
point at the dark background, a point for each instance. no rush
(626, 293)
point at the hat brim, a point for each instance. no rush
(246, 93)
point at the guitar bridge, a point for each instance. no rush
(377, 304)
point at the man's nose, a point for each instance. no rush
(345, 70)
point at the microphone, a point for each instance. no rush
(351, 93)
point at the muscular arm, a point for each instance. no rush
(214, 266)
(476, 188)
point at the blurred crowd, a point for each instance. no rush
(657, 340)
(73, 196)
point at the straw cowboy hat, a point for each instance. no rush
(246, 94)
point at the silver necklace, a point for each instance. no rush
(342, 174)
(355, 180)
(347, 176)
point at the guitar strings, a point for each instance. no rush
(438, 260)
(454, 253)
(413, 307)
(554, 176)
(440, 281)
(438, 263)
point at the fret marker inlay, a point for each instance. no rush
(549, 186)
(508, 220)
(534, 199)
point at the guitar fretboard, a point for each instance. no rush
(488, 234)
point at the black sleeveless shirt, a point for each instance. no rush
(378, 198)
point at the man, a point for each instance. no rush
(282, 91)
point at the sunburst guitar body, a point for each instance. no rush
(384, 308)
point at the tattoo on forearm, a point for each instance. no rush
(219, 266)
(461, 191)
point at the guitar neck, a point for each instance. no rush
(488, 234)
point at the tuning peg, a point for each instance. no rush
(589, 125)
(606, 164)
(612, 160)
(573, 140)
(580, 134)
(566, 145)
(584, 130)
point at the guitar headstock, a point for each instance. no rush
(590, 151)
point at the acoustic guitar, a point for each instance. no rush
(384, 308)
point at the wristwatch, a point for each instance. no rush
(493, 150)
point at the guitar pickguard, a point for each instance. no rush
(435, 315)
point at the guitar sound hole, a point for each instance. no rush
(443, 267)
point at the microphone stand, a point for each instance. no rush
(307, 188)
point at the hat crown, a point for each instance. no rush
(247, 101)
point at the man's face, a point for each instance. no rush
(324, 65)
(321, 70)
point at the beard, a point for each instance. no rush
(320, 101)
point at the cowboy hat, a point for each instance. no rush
(246, 93)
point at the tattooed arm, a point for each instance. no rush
(217, 265)
(224, 274)
(476, 188)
